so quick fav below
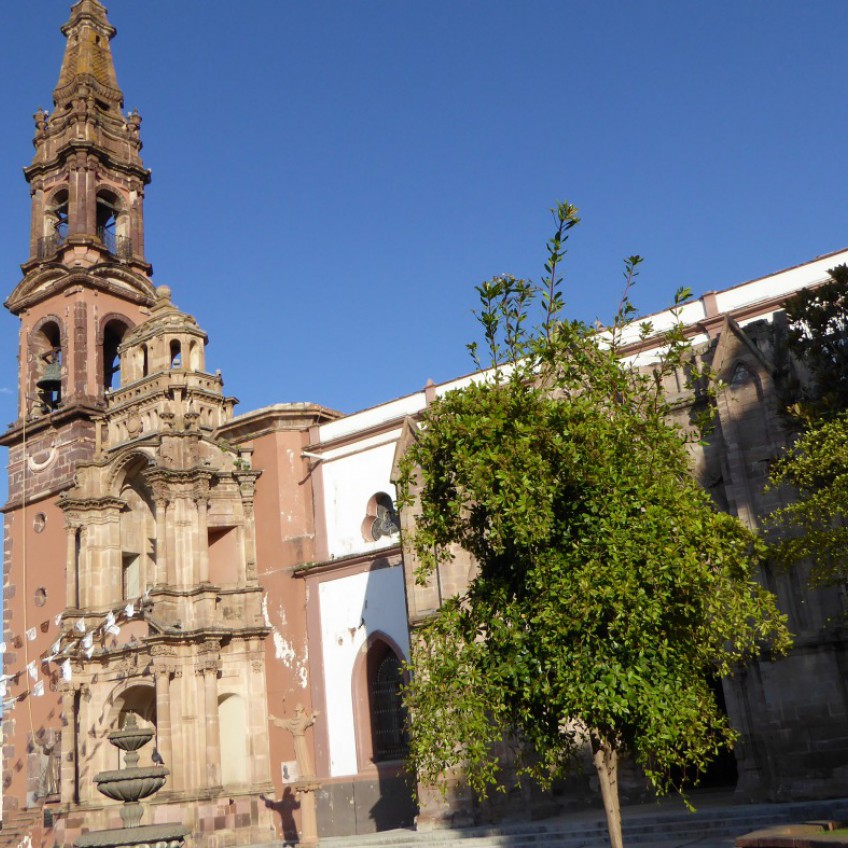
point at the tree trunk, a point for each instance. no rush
(606, 762)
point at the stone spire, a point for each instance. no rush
(87, 67)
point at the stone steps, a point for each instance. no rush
(642, 826)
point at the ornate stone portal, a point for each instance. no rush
(130, 785)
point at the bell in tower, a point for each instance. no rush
(49, 384)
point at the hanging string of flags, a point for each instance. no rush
(78, 640)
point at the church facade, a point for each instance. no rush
(220, 577)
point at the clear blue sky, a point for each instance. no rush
(331, 179)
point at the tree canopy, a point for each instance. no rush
(609, 588)
(814, 526)
(818, 336)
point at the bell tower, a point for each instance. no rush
(86, 280)
(130, 571)
(86, 284)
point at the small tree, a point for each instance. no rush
(818, 337)
(814, 527)
(609, 589)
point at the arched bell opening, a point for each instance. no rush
(55, 227)
(46, 371)
(176, 355)
(113, 334)
(112, 223)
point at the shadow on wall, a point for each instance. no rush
(285, 808)
(381, 720)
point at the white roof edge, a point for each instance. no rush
(748, 293)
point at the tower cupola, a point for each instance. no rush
(87, 176)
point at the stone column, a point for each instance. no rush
(249, 541)
(67, 768)
(72, 600)
(209, 663)
(175, 707)
(307, 786)
(247, 487)
(259, 760)
(90, 197)
(161, 503)
(162, 670)
(114, 560)
(202, 499)
(36, 218)
(171, 542)
(76, 221)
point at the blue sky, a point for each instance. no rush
(331, 179)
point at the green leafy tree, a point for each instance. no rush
(814, 527)
(609, 589)
(818, 336)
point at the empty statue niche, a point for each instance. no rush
(46, 347)
(224, 556)
(234, 754)
(195, 359)
(140, 701)
(138, 539)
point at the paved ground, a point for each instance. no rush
(718, 819)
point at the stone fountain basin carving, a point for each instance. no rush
(131, 784)
(131, 738)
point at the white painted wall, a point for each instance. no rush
(351, 477)
(377, 598)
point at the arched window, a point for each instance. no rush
(388, 717)
(176, 354)
(381, 518)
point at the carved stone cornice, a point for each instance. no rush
(102, 503)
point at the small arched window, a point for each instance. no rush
(176, 354)
(381, 518)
